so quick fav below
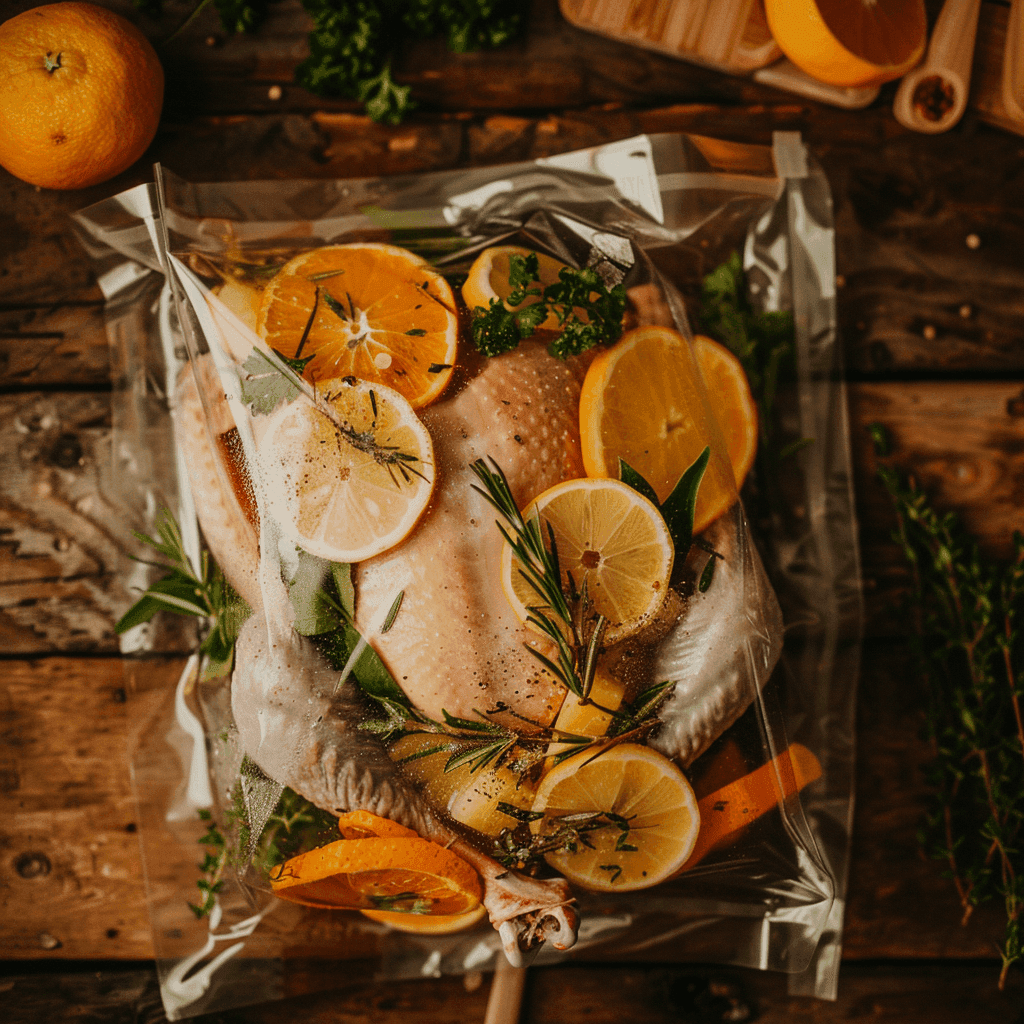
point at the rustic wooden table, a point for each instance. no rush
(930, 236)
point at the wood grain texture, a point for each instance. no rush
(70, 873)
(944, 993)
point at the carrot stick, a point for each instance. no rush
(726, 811)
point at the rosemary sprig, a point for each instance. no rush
(498, 329)
(206, 595)
(567, 620)
(268, 378)
(968, 647)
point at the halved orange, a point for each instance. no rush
(643, 401)
(338, 487)
(732, 403)
(365, 309)
(850, 43)
(607, 535)
(488, 279)
(411, 876)
(645, 792)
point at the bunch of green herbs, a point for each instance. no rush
(967, 644)
(354, 42)
(499, 329)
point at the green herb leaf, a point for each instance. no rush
(264, 386)
(628, 475)
(678, 508)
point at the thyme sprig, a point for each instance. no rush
(205, 595)
(968, 647)
(518, 847)
(568, 620)
(293, 826)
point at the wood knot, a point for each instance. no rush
(1015, 406)
(66, 452)
(33, 865)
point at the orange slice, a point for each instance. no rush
(432, 924)
(411, 876)
(643, 400)
(366, 309)
(728, 810)
(637, 784)
(488, 279)
(337, 487)
(608, 535)
(850, 43)
(732, 403)
(364, 825)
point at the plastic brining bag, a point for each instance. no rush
(490, 661)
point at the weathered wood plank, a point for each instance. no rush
(70, 872)
(54, 346)
(950, 993)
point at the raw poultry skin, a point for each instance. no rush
(456, 645)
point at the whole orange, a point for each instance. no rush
(80, 95)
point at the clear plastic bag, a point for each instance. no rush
(337, 626)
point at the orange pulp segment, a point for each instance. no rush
(850, 43)
(404, 875)
(643, 400)
(365, 309)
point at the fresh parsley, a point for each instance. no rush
(354, 42)
(589, 313)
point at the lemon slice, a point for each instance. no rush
(488, 279)
(350, 487)
(637, 784)
(608, 535)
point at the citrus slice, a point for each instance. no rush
(732, 403)
(610, 537)
(411, 876)
(643, 401)
(364, 825)
(850, 43)
(368, 310)
(432, 924)
(488, 279)
(348, 487)
(469, 796)
(731, 808)
(636, 784)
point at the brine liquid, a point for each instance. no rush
(229, 444)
